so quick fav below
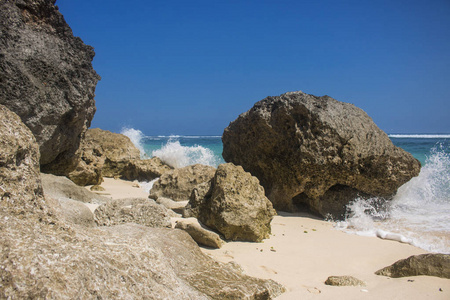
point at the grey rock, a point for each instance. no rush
(177, 184)
(436, 264)
(199, 233)
(76, 212)
(316, 152)
(235, 206)
(46, 77)
(60, 187)
(344, 281)
(132, 210)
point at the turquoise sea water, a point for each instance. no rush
(419, 214)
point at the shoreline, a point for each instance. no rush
(303, 251)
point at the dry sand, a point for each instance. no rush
(303, 251)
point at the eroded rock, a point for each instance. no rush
(344, 281)
(178, 184)
(46, 77)
(235, 205)
(316, 152)
(437, 265)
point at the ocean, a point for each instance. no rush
(419, 214)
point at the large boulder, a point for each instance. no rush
(316, 152)
(144, 169)
(46, 77)
(44, 257)
(436, 264)
(177, 184)
(235, 205)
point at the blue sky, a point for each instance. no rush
(191, 67)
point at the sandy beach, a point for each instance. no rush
(303, 251)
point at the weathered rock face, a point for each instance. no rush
(104, 153)
(132, 210)
(426, 264)
(145, 169)
(316, 152)
(46, 76)
(44, 258)
(178, 184)
(235, 205)
(21, 192)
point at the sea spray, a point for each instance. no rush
(136, 136)
(418, 214)
(178, 156)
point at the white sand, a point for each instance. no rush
(303, 251)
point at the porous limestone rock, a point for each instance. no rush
(435, 264)
(42, 257)
(177, 184)
(176, 206)
(132, 210)
(46, 77)
(102, 153)
(316, 152)
(199, 233)
(235, 205)
(21, 191)
(144, 169)
(344, 281)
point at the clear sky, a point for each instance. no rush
(191, 67)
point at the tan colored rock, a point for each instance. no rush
(200, 234)
(236, 205)
(97, 188)
(132, 210)
(45, 258)
(21, 191)
(344, 281)
(178, 184)
(102, 153)
(437, 265)
(316, 152)
(145, 169)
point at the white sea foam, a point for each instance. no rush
(418, 214)
(178, 156)
(420, 136)
(136, 136)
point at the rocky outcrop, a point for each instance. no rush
(178, 184)
(344, 281)
(42, 257)
(437, 265)
(199, 233)
(145, 169)
(46, 77)
(104, 153)
(235, 205)
(316, 152)
(132, 210)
